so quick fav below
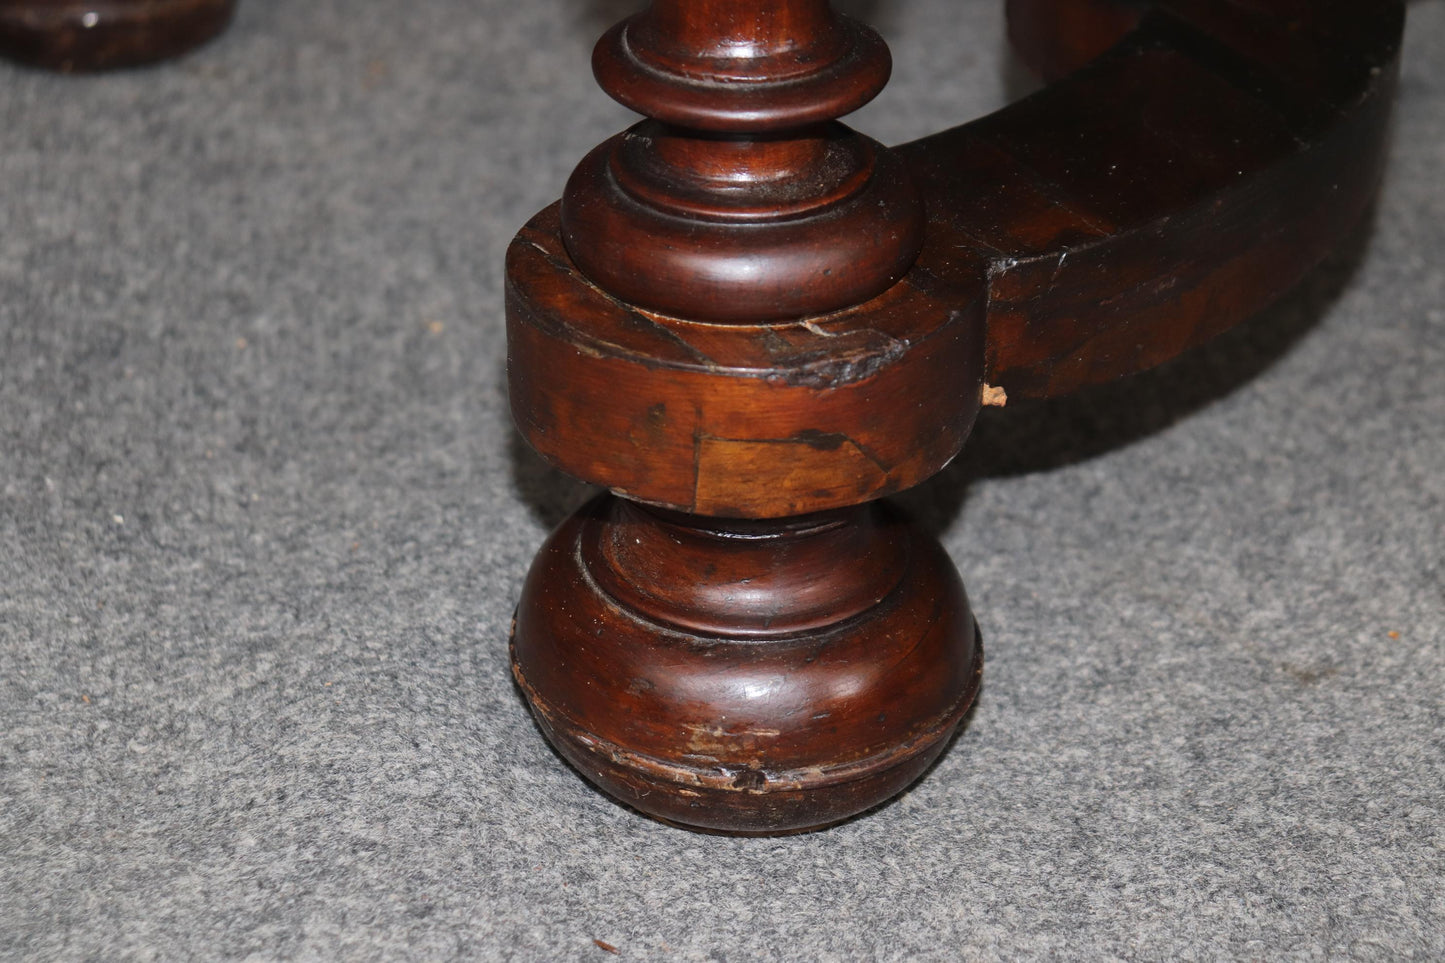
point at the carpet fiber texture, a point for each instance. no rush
(263, 521)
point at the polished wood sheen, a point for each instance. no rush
(744, 676)
(750, 323)
(87, 35)
(712, 209)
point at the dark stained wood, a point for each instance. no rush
(746, 677)
(743, 320)
(758, 421)
(1057, 37)
(1170, 189)
(661, 219)
(713, 210)
(741, 65)
(86, 35)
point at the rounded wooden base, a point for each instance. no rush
(87, 35)
(746, 677)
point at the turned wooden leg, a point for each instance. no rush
(86, 35)
(752, 323)
(746, 676)
(768, 649)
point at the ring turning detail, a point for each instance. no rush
(752, 324)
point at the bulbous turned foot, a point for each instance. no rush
(87, 35)
(751, 677)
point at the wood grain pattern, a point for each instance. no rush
(742, 316)
(758, 421)
(746, 677)
(1170, 189)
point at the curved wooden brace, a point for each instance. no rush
(1167, 190)
(775, 650)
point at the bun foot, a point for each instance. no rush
(751, 677)
(75, 36)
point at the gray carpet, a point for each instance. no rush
(263, 521)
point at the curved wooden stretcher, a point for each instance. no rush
(751, 323)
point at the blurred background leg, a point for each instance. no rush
(86, 35)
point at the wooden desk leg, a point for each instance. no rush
(750, 323)
(87, 35)
(772, 650)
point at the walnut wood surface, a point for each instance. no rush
(1106, 224)
(746, 677)
(86, 35)
(742, 315)
(1171, 188)
(713, 210)
(756, 421)
(1057, 37)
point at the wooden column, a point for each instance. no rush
(740, 638)
(750, 323)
